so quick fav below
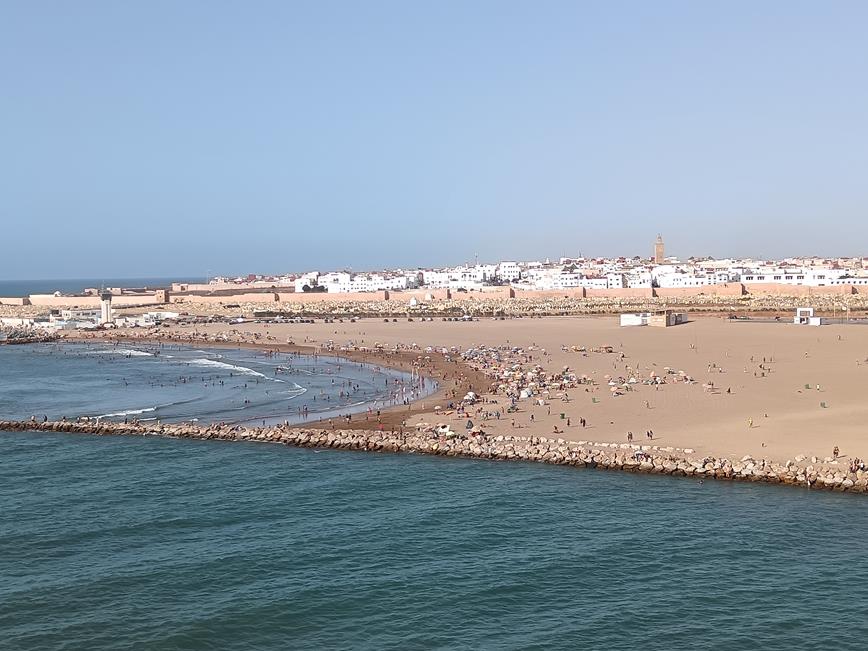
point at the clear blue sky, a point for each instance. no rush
(179, 137)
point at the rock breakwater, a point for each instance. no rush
(583, 454)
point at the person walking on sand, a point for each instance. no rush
(749, 423)
(629, 437)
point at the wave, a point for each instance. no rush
(128, 412)
(145, 410)
(295, 393)
(127, 352)
(242, 370)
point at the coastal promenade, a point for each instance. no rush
(580, 454)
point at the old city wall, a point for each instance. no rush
(774, 289)
(729, 289)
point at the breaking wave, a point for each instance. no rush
(126, 352)
(128, 412)
(241, 370)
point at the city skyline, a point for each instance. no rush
(474, 260)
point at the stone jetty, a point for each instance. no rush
(583, 454)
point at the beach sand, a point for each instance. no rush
(787, 418)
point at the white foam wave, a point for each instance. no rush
(295, 393)
(241, 370)
(128, 412)
(127, 352)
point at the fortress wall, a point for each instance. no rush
(777, 289)
(620, 292)
(728, 289)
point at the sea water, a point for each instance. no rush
(175, 383)
(140, 543)
(147, 543)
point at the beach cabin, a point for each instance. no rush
(666, 319)
(658, 319)
(635, 319)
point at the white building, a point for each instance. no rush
(309, 279)
(638, 279)
(812, 277)
(508, 271)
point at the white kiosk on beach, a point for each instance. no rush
(805, 316)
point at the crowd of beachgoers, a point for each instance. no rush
(519, 374)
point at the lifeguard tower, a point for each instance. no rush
(105, 307)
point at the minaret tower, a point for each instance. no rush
(659, 254)
(105, 304)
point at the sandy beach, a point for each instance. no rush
(770, 390)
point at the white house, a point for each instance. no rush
(508, 271)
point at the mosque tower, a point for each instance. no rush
(659, 253)
(105, 305)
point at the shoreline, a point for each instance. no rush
(794, 390)
(582, 454)
(432, 367)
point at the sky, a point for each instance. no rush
(159, 138)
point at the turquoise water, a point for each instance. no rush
(134, 543)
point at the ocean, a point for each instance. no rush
(18, 288)
(146, 543)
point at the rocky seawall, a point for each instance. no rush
(582, 454)
(12, 339)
